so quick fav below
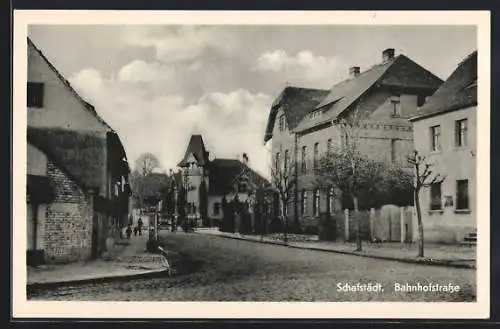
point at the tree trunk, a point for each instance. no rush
(359, 246)
(420, 225)
(285, 224)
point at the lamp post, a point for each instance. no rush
(175, 214)
(186, 203)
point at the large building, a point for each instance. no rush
(211, 182)
(445, 132)
(303, 124)
(77, 170)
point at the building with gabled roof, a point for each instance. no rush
(445, 131)
(385, 95)
(207, 183)
(81, 159)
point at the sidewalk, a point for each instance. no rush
(125, 259)
(442, 255)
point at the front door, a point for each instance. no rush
(95, 236)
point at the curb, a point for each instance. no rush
(30, 287)
(354, 253)
(55, 284)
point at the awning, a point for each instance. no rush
(39, 189)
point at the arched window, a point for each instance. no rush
(282, 122)
(285, 164)
(330, 200)
(304, 158)
(303, 208)
(316, 156)
(316, 203)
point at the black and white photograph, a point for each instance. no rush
(331, 159)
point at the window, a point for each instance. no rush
(435, 138)
(344, 139)
(303, 208)
(421, 100)
(396, 108)
(315, 114)
(277, 165)
(330, 200)
(242, 187)
(217, 208)
(287, 158)
(316, 154)
(316, 203)
(282, 122)
(393, 150)
(462, 194)
(461, 132)
(304, 157)
(329, 145)
(35, 94)
(435, 196)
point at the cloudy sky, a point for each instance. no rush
(156, 85)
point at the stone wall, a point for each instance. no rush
(68, 225)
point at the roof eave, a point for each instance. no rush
(433, 114)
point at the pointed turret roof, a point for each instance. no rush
(196, 147)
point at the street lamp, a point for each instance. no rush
(174, 220)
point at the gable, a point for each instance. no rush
(457, 92)
(295, 103)
(62, 106)
(196, 150)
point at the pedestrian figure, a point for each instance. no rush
(139, 226)
(136, 229)
(129, 231)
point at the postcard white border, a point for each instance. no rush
(24, 308)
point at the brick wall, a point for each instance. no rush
(68, 225)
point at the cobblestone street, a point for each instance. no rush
(209, 268)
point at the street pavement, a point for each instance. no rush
(211, 268)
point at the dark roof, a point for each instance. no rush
(457, 92)
(398, 72)
(80, 154)
(296, 103)
(224, 172)
(89, 107)
(197, 148)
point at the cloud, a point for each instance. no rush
(231, 123)
(90, 78)
(302, 68)
(140, 71)
(180, 43)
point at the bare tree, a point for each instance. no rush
(283, 182)
(146, 163)
(349, 169)
(424, 177)
(145, 183)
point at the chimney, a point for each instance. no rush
(387, 54)
(354, 71)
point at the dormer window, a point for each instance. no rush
(282, 122)
(314, 114)
(395, 108)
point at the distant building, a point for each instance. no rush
(303, 124)
(209, 182)
(74, 153)
(445, 131)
